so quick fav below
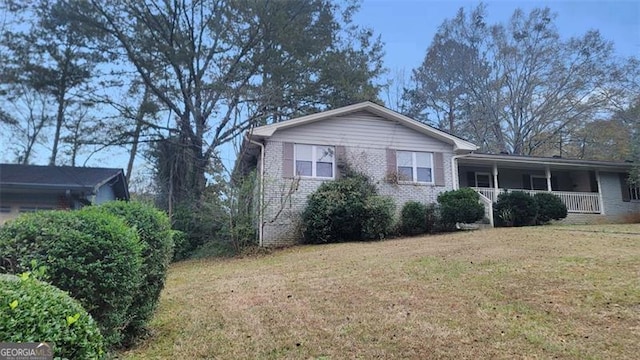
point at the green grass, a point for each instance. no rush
(538, 292)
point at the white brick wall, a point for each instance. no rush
(285, 199)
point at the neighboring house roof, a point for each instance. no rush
(458, 143)
(558, 161)
(77, 179)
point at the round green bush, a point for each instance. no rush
(460, 206)
(34, 311)
(550, 207)
(378, 222)
(515, 208)
(337, 211)
(155, 233)
(413, 218)
(433, 218)
(94, 256)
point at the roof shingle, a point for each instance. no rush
(55, 176)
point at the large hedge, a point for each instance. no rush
(155, 233)
(515, 208)
(345, 210)
(34, 311)
(550, 207)
(94, 256)
(378, 222)
(413, 218)
(459, 206)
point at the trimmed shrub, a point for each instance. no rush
(94, 256)
(413, 218)
(338, 211)
(515, 208)
(550, 207)
(34, 311)
(460, 206)
(379, 220)
(432, 218)
(155, 233)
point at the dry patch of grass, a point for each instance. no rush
(540, 292)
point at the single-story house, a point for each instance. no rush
(409, 160)
(28, 188)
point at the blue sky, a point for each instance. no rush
(407, 26)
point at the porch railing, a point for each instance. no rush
(576, 202)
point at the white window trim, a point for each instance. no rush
(484, 173)
(414, 167)
(314, 160)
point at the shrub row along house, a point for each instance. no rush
(409, 160)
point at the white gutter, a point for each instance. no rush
(261, 209)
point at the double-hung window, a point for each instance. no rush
(483, 180)
(314, 161)
(415, 166)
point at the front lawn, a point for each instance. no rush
(537, 292)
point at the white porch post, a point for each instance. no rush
(601, 205)
(547, 171)
(455, 182)
(496, 188)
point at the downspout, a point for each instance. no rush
(261, 209)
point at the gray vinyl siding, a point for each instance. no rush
(615, 210)
(361, 129)
(105, 194)
(614, 207)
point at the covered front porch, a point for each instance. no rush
(577, 186)
(576, 202)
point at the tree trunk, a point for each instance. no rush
(27, 151)
(452, 119)
(136, 133)
(56, 137)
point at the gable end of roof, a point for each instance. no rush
(458, 143)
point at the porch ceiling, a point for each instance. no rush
(527, 162)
